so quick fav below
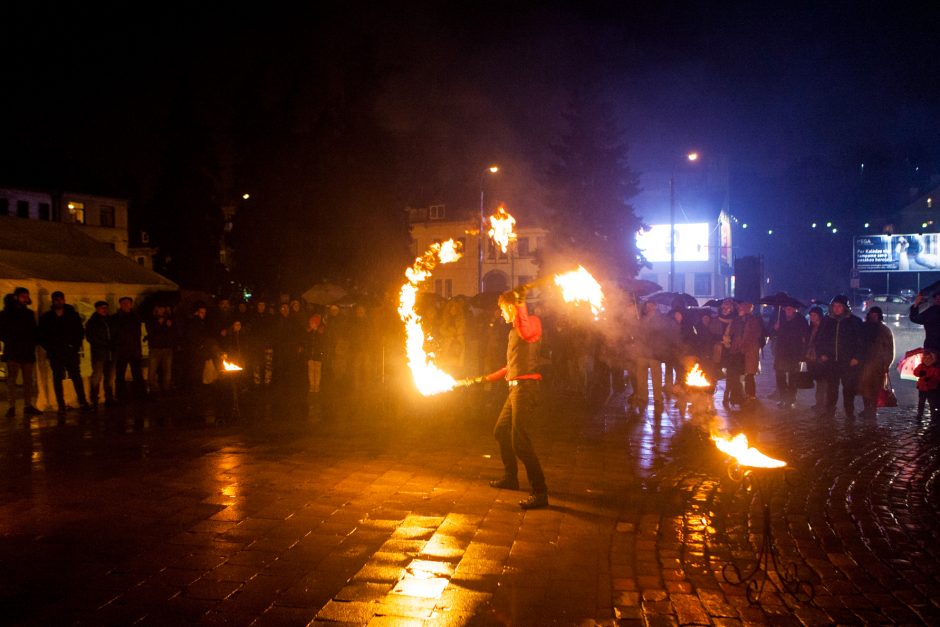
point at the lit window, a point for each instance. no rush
(76, 212)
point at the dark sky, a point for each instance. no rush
(784, 100)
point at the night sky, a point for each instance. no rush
(335, 118)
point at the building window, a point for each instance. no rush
(702, 284)
(142, 261)
(436, 212)
(679, 282)
(44, 213)
(522, 247)
(22, 208)
(448, 288)
(438, 287)
(4, 206)
(76, 212)
(106, 216)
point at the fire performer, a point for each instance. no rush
(520, 373)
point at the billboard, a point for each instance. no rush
(691, 242)
(897, 253)
(724, 238)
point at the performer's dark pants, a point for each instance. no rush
(513, 436)
(846, 375)
(70, 364)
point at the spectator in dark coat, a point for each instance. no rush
(840, 352)
(125, 325)
(61, 334)
(878, 355)
(930, 318)
(790, 333)
(101, 339)
(161, 341)
(19, 336)
(199, 346)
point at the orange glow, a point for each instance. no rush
(428, 378)
(737, 447)
(501, 228)
(696, 378)
(230, 367)
(578, 286)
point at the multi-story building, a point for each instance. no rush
(499, 271)
(100, 217)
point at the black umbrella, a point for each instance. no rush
(781, 299)
(714, 302)
(641, 287)
(673, 299)
(930, 289)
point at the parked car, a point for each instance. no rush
(895, 307)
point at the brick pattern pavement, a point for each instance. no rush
(148, 517)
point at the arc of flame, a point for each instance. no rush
(579, 286)
(428, 378)
(696, 378)
(737, 447)
(501, 228)
(230, 367)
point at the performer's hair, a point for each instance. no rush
(507, 298)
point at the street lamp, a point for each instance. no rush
(493, 169)
(692, 157)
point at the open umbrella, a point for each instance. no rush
(910, 361)
(641, 287)
(781, 299)
(930, 289)
(673, 299)
(714, 302)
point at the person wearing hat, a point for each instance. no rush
(19, 336)
(61, 334)
(840, 352)
(878, 354)
(101, 339)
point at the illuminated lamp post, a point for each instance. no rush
(493, 169)
(692, 157)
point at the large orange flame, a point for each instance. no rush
(501, 228)
(578, 286)
(696, 378)
(428, 378)
(737, 447)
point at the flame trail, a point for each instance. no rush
(579, 286)
(501, 228)
(428, 378)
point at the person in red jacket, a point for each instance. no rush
(520, 373)
(928, 383)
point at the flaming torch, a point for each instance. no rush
(501, 228)
(428, 378)
(743, 454)
(230, 367)
(578, 286)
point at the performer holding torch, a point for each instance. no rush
(520, 373)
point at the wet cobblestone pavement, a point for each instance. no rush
(152, 515)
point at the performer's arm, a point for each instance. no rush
(496, 376)
(529, 327)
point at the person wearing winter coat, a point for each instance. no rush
(101, 339)
(878, 354)
(19, 336)
(790, 332)
(125, 324)
(928, 383)
(930, 318)
(840, 353)
(61, 334)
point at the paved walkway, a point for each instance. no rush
(155, 515)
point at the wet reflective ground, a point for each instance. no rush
(164, 514)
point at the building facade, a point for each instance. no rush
(499, 271)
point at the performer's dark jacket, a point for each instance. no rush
(522, 352)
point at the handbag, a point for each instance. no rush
(886, 396)
(804, 379)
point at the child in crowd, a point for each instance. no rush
(928, 383)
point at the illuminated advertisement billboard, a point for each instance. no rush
(691, 242)
(897, 253)
(724, 238)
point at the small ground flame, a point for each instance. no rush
(501, 228)
(737, 447)
(578, 286)
(428, 378)
(696, 378)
